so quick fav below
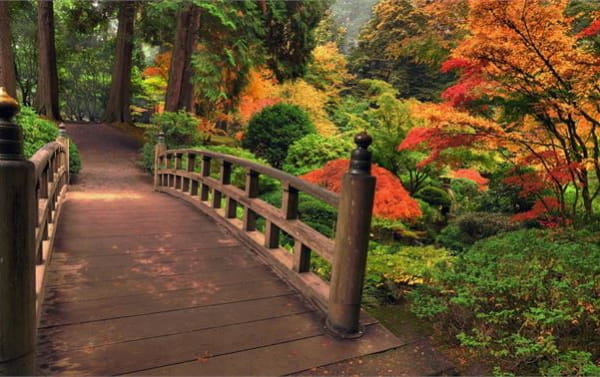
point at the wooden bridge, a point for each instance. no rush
(115, 277)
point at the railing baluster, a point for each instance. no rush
(205, 190)
(159, 149)
(191, 165)
(289, 202)
(252, 191)
(178, 158)
(301, 257)
(271, 235)
(225, 178)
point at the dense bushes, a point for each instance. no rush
(180, 129)
(465, 230)
(527, 299)
(313, 151)
(37, 132)
(272, 131)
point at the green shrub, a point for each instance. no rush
(238, 174)
(393, 270)
(180, 129)
(74, 159)
(469, 228)
(272, 131)
(38, 132)
(434, 196)
(525, 299)
(313, 151)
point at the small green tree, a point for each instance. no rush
(274, 129)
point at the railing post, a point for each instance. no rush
(158, 150)
(351, 243)
(64, 140)
(17, 254)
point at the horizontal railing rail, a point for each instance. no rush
(190, 175)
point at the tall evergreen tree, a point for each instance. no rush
(47, 89)
(7, 61)
(180, 90)
(119, 99)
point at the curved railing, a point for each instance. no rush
(187, 174)
(51, 178)
(209, 193)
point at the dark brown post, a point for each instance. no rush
(63, 139)
(205, 189)
(351, 243)
(159, 149)
(252, 191)
(178, 159)
(191, 185)
(17, 254)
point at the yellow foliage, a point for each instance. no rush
(312, 100)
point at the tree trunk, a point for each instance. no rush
(47, 88)
(7, 61)
(180, 91)
(119, 98)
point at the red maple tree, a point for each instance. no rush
(392, 201)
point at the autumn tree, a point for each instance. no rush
(405, 42)
(47, 88)
(7, 61)
(119, 98)
(392, 201)
(529, 88)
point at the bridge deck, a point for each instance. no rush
(143, 283)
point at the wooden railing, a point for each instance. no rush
(51, 178)
(31, 194)
(186, 174)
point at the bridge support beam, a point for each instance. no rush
(17, 254)
(351, 243)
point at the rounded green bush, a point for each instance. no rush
(434, 196)
(313, 151)
(272, 131)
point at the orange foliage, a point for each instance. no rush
(471, 175)
(162, 62)
(260, 92)
(392, 201)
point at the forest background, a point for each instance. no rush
(484, 115)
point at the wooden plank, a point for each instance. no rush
(211, 281)
(144, 267)
(125, 244)
(150, 353)
(133, 305)
(65, 261)
(284, 358)
(62, 338)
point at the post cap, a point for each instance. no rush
(360, 161)
(161, 137)
(9, 106)
(363, 140)
(62, 130)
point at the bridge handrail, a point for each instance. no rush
(347, 253)
(31, 193)
(318, 192)
(51, 180)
